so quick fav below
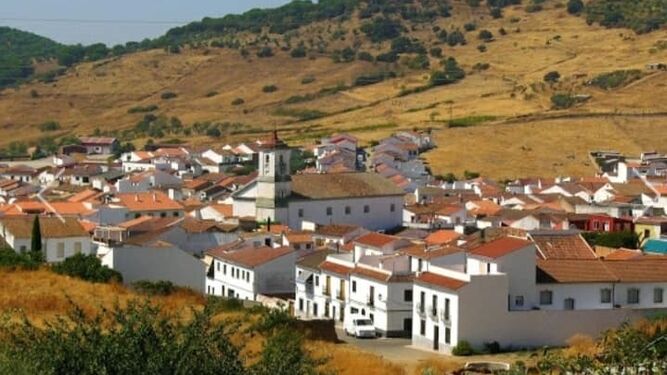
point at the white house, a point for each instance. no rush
(156, 261)
(251, 271)
(61, 238)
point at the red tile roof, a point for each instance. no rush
(252, 257)
(375, 239)
(500, 247)
(336, 268)
(440, 281)
(148, 201)
(442, 236)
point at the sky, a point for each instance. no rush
(114, 21)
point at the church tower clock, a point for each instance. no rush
(274, 182)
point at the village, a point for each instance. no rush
(365, 237)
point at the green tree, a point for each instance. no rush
(36, 237)
(552, 77)
(575, 6)
(283, 353)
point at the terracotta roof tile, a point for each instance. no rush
(374, 239)
(562, 245)
(442, 236)
(252, 257)
(336, 268)
(573, 271)
(440, 281)
(148, 201)
(500, 247)
(51, 227)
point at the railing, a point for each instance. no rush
(445, 317)
(370, 300)
(327, 291)
(420, 308)
(340, 295)
(433, 310)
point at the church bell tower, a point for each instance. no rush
(274, 182)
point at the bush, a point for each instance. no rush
(626, 239)
(157, 288)
(87, 267)
(308, 79)
(455, 38)
(49, 126)
(470, 26)
(213, 132)
(463, 348)
(552, 77)
(492, 347)
(211, 94)
(298, 52)
(419, 62)
(265, 52)
(365, 56)
(485, 35)
(451, 73)
(269, 88)
(388, 57)
(10, 259)
(238, 101)
(168, 95)
(140, 109)
(481, 48)
(616, 79)
(533, 8)
(436, 52)
(575, 7)
(496, 13)
(381, 29)
(370, 79)
(562, 101)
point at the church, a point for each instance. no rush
(363, 199)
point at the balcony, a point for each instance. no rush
(421, 310)
(340, 295)
(446, 317)
(433, 311)
(370, 301)
(327, 291)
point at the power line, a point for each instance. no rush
(101, 21)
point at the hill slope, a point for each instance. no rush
(199, 86)
(20, 52)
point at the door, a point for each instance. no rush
(407, 325)
(436, 337)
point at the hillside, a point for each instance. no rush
(241, 83)
(21, 53)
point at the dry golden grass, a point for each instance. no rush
(98, 95)
(348, 360)
(581, 345)
(42, 295)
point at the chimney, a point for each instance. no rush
(136, 197)
(154, 197)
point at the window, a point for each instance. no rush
(317, 281)
(367, 209)
(163, 214)
(224, 269)
(447, 308)
(247, 276)
(407, 295)
(569, 304)
(329, 211)
(23, 249)
(422, 300)
(300, 212)
(434, 305)
(633, 295)
(176, 214)
(371, 317)
(60, 251)
(77, 247)
(348, 210)
(422, 327)
(354, 310)
(354, 286)
(488, 268)
(546, 297)
(518, 300)
(217, 264)
(315, 309)
(419, 264)
(392, 207)
(300, 304)
(658, 294)
(605, 295)
(448, 335)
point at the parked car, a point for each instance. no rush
(360, 327)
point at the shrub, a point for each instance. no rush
(406, 45)
(157, 288)
(470, 26)
(552, 77)
(365, 56)
(370, 79)
(562, 101)
(492, 347)
(168, 95)
(307, 79)
(451, 73)
(388, 57)
(436, 52)
(12, 260)
(211, 94)
(381, 29)
(238, 101)
(213, 132)
(481, 66)
(496, 13)
(533, 8)
(455, 38)
(298, 52)
(269, 88)
(485, 35)
(616, 79)
(87, 267)
(265, 52)
(481, 48)
(140, 109)
(575, 6)
(419, 62)
(49, 126)
(463, 348)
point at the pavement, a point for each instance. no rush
(398, 350)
